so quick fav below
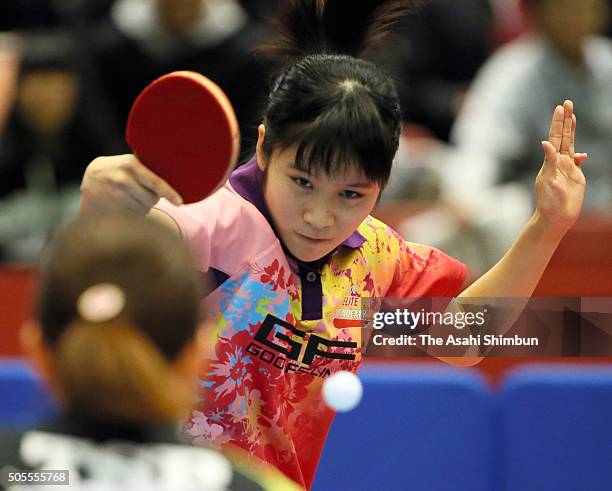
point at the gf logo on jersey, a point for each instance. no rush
(306, 348)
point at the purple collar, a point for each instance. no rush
(247, 180)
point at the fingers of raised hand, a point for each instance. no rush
(567, 141)
(580, 158)
(573, 137)
(555, 135)
(550, 158)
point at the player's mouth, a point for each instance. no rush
(312, 240)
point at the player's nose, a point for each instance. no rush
(318, 215)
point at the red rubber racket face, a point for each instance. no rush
(182, 127)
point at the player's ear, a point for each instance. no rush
(259, 151)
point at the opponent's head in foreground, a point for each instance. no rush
(118, 320)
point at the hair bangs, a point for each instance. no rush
(329, 144)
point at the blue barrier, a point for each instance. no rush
(424, 428)
(556, 429)
(417, 428)
(23, 399)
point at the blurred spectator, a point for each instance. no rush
(507, 110)
(260, 9)
(442, 46)
(26, 14)
(510, 20)
(481, 192)
(9, 67)
(609, 30)
(45, 146)
(144, 39)
(37, 14)
(425, 206)
(486, 182)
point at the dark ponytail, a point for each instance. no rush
(340, 110)
(114, 371)
(345, 27)
(119, 366)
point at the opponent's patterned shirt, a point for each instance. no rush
(283, 326)
(109, 455)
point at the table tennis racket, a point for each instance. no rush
(183, 128)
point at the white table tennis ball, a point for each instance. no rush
(342, 391)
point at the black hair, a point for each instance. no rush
(118, 366)
(143, 258)
(338, 107)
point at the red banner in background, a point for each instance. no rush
(16, 295)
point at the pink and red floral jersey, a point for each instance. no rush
(282, 326)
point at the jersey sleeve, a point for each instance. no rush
(223, 231)
(424, 271)
(197, 225)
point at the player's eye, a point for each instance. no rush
(348, 194)
(303, 183)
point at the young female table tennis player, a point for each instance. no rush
(291, 243)
(117, 337)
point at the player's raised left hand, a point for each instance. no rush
(560, 185)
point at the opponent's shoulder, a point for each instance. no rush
(173, 460)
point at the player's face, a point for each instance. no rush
(314, 214)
